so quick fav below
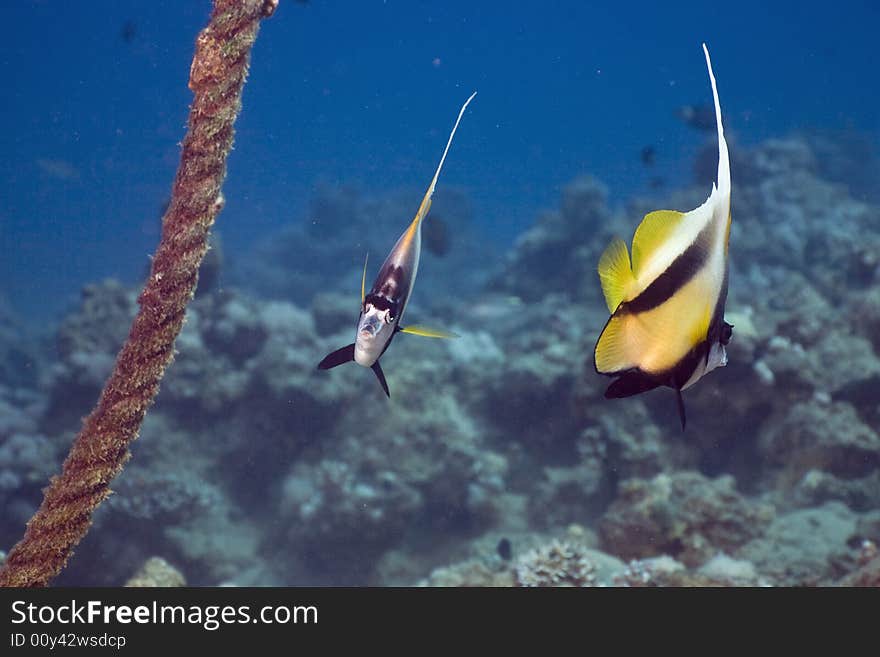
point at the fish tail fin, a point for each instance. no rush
(615, 273)
(723, 155)
(338, 357)
(426, 201)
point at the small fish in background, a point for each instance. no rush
(128, 31)
(648, 156)
(657, 182)
(383, 307)
(667, 323)
(698, 117)
(438, 239)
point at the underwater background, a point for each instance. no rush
(497, 460)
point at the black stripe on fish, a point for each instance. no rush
(392, 283)
(635, 381)
(677, 275)
(381, 302)
(719, 330)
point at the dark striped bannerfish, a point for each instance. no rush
(667, 324)
(383, 307)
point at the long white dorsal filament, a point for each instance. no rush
(426, 202)
(723, 157)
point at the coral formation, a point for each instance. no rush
(555, 564)
(805, 547)
(156, 572)
(254, 469)
(684, 515)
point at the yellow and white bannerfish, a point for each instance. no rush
(667, 324)
(383, 306)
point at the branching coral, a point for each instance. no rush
(557, 564)
(100, 450)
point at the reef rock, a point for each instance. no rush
(684, 515)
(827, 438)
(805, 547)
(156, 572)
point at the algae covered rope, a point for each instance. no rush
(100, 450)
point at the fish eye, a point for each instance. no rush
(726, 333)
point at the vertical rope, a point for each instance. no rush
(100, 450)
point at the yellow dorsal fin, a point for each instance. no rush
(426, 202)
(364, 278)
(615, 273)
(652, 233)
(427, 331)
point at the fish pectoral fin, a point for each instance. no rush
(615, 273)
(427, 331)
(377, 369)
(338, 357)
(655, 230)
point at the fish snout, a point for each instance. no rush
(370, 326)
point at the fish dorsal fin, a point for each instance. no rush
(364, 279)
(426, 201)
(654, 232)
(723, 155)
(427, 331)
(616, 274)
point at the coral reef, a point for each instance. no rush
(20, 354)
(497, 461)
(555, 564)
(806, 547)
(156, 572)
(684, 515)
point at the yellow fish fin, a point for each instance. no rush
(427, 331)
(652, 233)
(364, 279)
(613, 350)
(615, 273)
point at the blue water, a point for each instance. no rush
(363, 93)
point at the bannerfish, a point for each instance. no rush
(667, 323)
(383, 307)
